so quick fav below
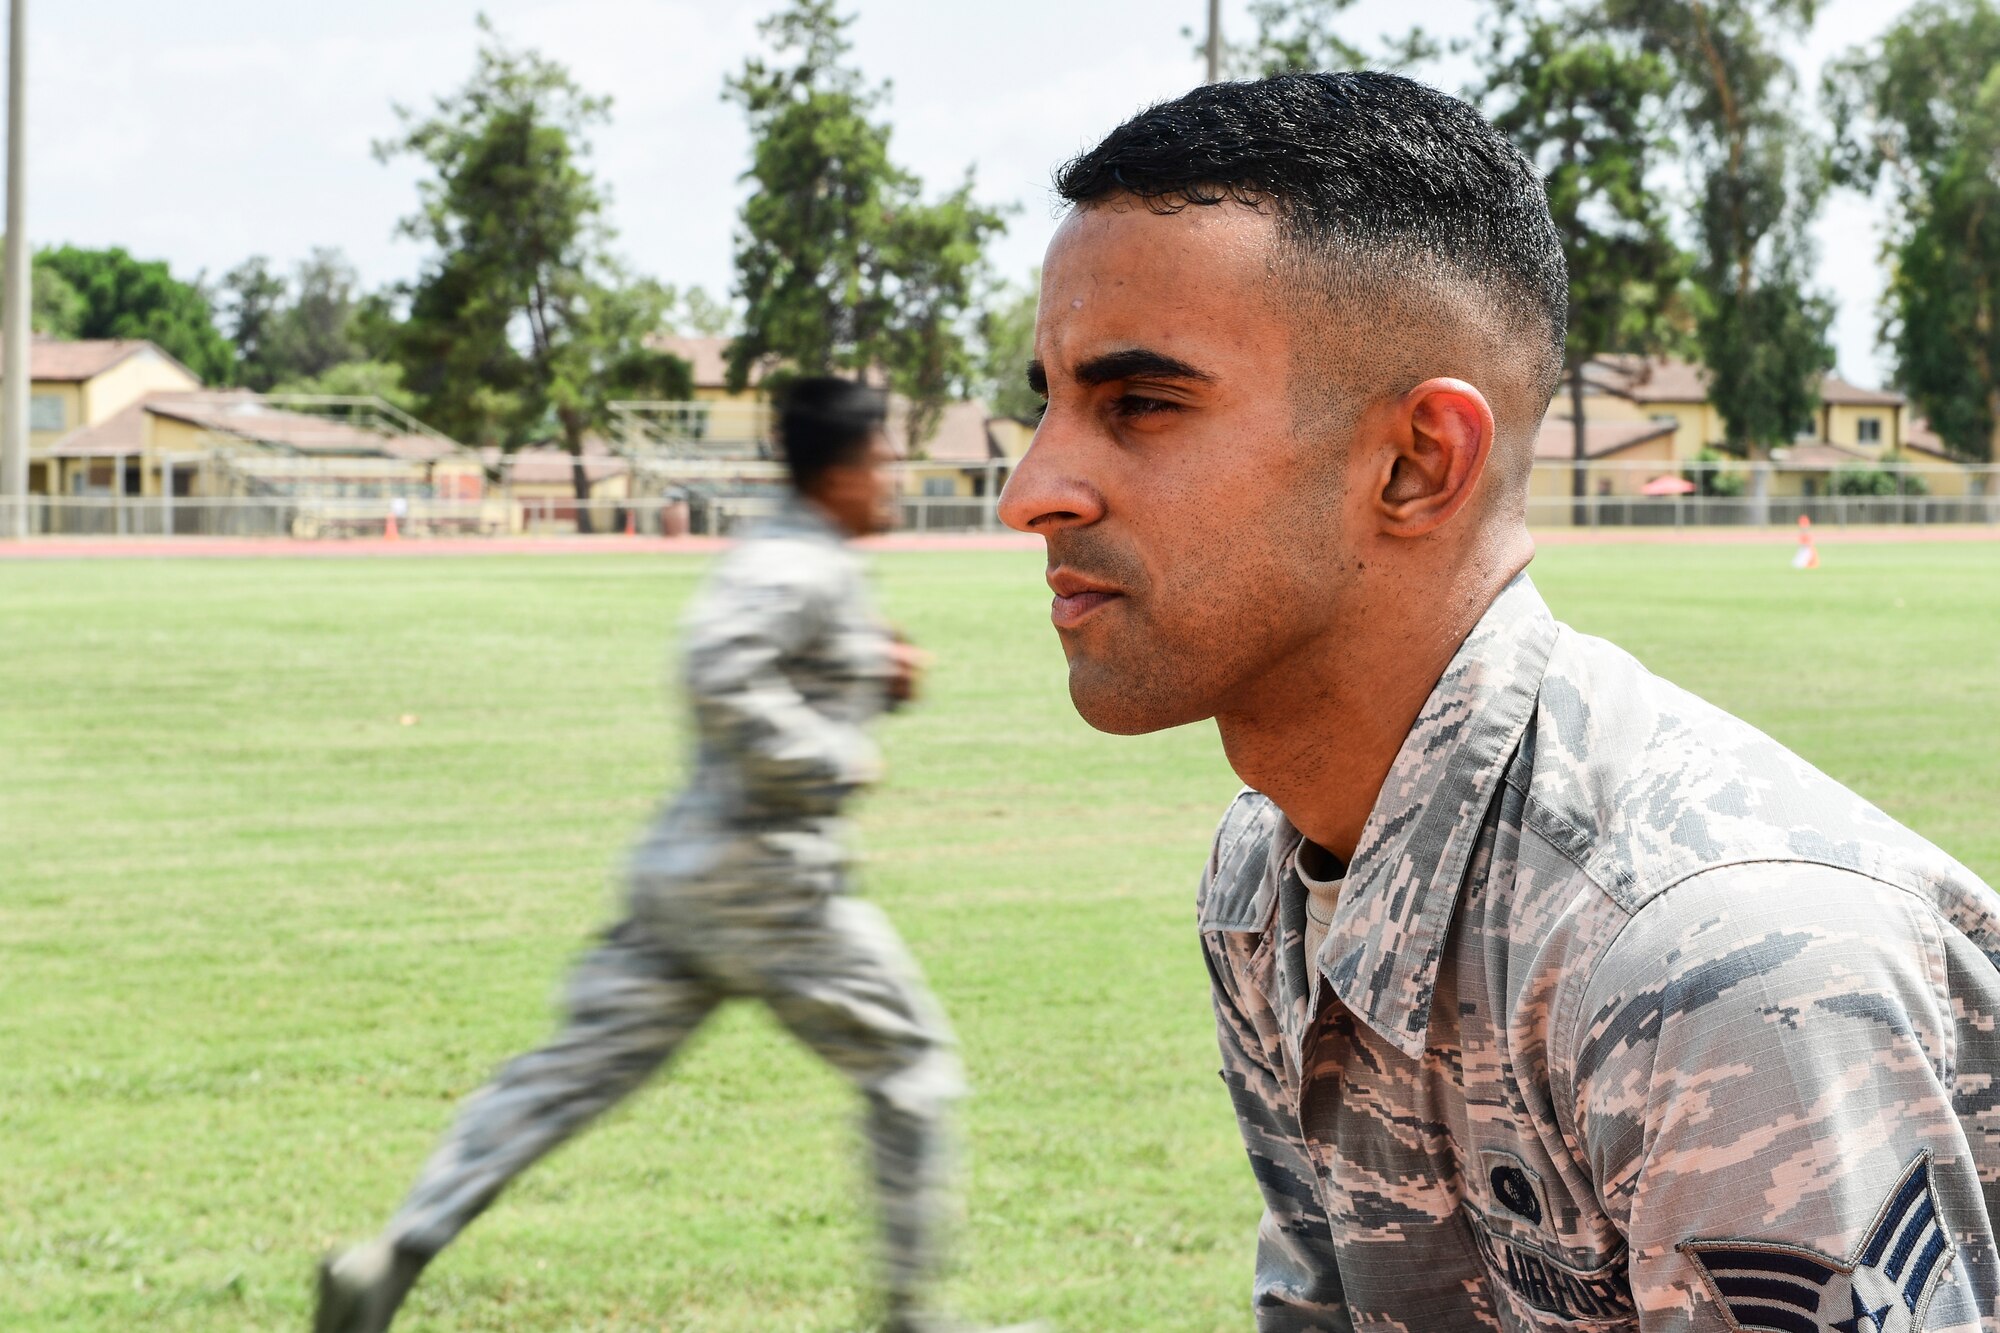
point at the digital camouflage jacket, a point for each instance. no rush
(1627, 1019)
(786, 662)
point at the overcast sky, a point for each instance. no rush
(210, 130)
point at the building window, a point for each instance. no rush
(45, 411)
(938, 486)
(1868, 430)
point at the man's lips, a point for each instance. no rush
(1077, 597)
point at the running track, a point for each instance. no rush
(97, 548)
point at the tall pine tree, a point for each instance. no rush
(841, 265)
(1920, 110)
(1758, 181)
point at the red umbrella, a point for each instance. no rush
(1669, 485)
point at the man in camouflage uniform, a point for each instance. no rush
(1549, 996)
(740, 888)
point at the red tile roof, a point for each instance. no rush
(1667, 380)
(248, 416)
(961, 435)
(546, 464)
(59, 362)
(123, 432)
(1557, 440)
(1646, 379)
(708, 356)
(1818, 453)
(239, 414)
(1840, 393)
(1919, 436)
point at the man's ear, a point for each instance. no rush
(1440, 435)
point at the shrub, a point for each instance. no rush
(1877, 481)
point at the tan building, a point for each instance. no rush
(1627, 388)
(77, 385)
(230, 442)
(1943, 474)
(1852, 428)
(1648, 389)
(969, 455)
(540, 483)
(1870, 421)
(1642, 449)
(720, 422)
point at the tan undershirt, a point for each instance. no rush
(1322, 895)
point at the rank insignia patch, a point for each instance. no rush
(1884, 1287)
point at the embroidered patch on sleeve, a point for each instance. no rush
(1885, 1286)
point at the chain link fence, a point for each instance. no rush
(312, 518)
(1728, 494)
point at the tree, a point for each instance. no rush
(1921, 110)
(55, 309)
(1007, 343)
(123, 297)
(521, 324)
(252, 303)
(355, 379)
(291, 330)
(693, 312)
(315, 332)
(1758, 180)
(841, 265)
(1587, 108)
(1296, 35)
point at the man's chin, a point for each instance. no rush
(1124, 707)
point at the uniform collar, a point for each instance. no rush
(1388, 933)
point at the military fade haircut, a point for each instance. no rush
(1373, 178)
(826, 422)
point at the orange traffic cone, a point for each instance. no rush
(389, 532)
(1807, 556)
(631, 523)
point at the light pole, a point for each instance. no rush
(14, 302)
(1214, 40)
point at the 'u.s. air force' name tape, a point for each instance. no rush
(1549, 1285)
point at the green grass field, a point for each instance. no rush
(258, 936)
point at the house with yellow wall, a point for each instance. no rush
(1853, 427)
(220, 443)
(539, 482)
(1639, 448)
(969, 455)
(1943, 474)
(729, 420)
(73, 386)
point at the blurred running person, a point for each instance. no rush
(740, 889)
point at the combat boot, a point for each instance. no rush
(361, 1289)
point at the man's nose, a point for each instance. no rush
(1047, 490)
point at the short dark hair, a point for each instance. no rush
(1356, 165)
(825, 422)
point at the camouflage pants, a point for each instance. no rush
(836, 975)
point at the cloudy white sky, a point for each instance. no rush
(209, 130)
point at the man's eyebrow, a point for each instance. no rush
(1138, 363)
(1038, 378)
